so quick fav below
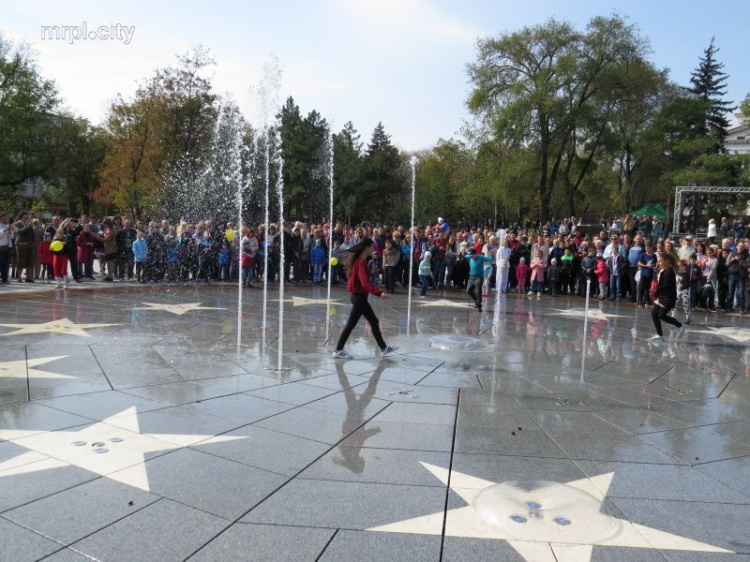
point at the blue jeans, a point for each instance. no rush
(425, 280)
(317, 272)
(614, 287)
(736, 285)
(438, 269)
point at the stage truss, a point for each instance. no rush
(682, 189)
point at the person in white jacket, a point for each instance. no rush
(503, 264)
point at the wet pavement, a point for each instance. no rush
(134, 427)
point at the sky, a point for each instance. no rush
(399, 62)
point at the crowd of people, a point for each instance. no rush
(555, 259)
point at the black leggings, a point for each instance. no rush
(360, 307)
(659, 314)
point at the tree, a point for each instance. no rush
(131, 175)
(383, 179)
(305, 148)
(347, 171)
(159, 144)
(551, 88)
(708, 83)
(28, 123)
(81, 150)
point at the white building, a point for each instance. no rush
(738, 137)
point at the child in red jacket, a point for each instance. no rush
(522, 270)
(602, 276)
(45, 257)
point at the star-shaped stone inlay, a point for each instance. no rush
(63, 326)
(542, 521)
(442, 303)
(102, 448)
(594, 313)
(27, 368)
(738, 334)
(178, 309)
(303, 301)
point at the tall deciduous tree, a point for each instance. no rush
(28, 120)
(548, 86)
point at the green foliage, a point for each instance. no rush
(383, 180)
(709, 84)
(28, 124)
(554, 89)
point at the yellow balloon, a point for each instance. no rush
(334, 262)
(230, 235)
(56, 246)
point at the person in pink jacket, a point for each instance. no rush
(522, 270)
(602, 276)
(538, 269)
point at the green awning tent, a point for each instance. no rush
(651, 211)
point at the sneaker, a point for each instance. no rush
(655, 338)
(530, 293)
(341, 354)
(539, 295)
(681, 330)
(388, 350)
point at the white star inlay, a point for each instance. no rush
(63, 326)
(302, 301)
(542, 521)
(26, 367)
(445, 303)
(738, 334)
(178, 309)
(594, 313)
(126, 447)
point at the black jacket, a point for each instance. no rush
(666, 290)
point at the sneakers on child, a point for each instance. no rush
(530, 293)
(388, 350)
(341, 354)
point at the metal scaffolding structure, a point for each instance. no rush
(680, 189)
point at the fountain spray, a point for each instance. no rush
(330, 236)
(413, 161)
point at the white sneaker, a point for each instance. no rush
(655, 338)
(341, 354)
(539, 295)
(530, 293)
(389, 349)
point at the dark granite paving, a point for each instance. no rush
(137, 425)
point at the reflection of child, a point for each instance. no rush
(522, 270)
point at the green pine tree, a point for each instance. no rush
(708, 83)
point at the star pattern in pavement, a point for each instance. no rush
(106, 448)
(27, 368)
(178, 309)
(594, 313)
(63, 326)
(542, 521)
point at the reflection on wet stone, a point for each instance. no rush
(553, 419)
